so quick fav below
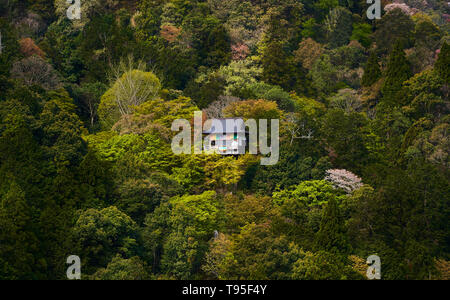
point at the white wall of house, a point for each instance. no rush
(226, 144)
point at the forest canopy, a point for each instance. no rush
(87, 169)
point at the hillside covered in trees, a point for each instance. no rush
(87, 169)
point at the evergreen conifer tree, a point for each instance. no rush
(398, 71)
(331, 236)
(372, 70)
(17, 241)
(442, 65)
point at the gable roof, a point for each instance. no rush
(221, 126)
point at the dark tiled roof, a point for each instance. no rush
(226, 126)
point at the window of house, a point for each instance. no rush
(213, 143)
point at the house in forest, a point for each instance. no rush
(225, 136)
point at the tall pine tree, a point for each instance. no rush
(331, 236)
(398, 71)
(17, 241)
(442, 65)
(372, 70)
(277, 63)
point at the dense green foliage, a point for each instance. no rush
(372, 71)
(87, 169)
